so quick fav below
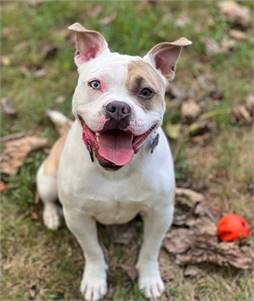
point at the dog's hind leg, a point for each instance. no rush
(47, 173)
(47, 183)
(47, 189)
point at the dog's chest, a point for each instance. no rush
(112, 211)
(107, 200)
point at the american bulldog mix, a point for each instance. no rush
(115, 161)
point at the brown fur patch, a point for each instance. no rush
(52, 161)
(142, 75)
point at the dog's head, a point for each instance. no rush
(119, 99)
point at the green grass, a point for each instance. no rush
(38, 264)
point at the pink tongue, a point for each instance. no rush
(116, 147)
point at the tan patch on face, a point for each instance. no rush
(52, 161)
(141, 75)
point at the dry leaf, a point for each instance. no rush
(5, 60)
(130, 270)
(9, 31)
(178, 241)
(235, 13)
(3, 186)
(94, 11)
(166, 266)
(222, 254)
(190, 110)
(17, 150)
(37, 207)
(173, 130)
(250, 103)
(40, 73)
(192, 271)
(122, 234)
(49, 51)
(25, 71)
(199, 128)
(237, 35)
(190, 195)
(60, 99)
(34, 3)
(108, 19)
(182, 21)
(9, 107)
(241, 113)
(227, 44)
(12, 137)
(176, 92)
(212, 47)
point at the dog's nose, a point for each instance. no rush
(118, 110)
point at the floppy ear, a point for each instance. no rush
(89, 44)
(164, 56)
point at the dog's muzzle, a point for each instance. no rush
(114, 145)
(118, 115)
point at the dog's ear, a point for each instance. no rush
(164, 56)
(89, 44)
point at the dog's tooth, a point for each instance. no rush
(97, 136)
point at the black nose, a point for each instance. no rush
(118, 110)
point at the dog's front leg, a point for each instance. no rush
(156, 225)
(93, 284)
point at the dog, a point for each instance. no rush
(115, 161)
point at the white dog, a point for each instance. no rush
(115, 161)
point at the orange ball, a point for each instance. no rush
(231, 227)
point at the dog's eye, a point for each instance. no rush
(95, 84)
(146, 93)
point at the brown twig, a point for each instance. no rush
(12, 137)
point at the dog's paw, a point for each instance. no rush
(93, 288)
(151, 286)
(51, 217)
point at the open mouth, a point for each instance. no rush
(113, 148)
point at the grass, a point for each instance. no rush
(41, 265)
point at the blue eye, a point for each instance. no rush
(95, 84)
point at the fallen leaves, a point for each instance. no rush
(237, 35)
(193, 238)
(5, 60)
(40, 72)
(189, 196)
(173, 131)
(3, 186)
(212, 47)
(235, 13)
(166, 266)
(108, 19)
(122, 234)
(250, 103)
(130, 270)
(242, 114)
(49, 51)
(17, 150)
(190, 110)
(8, 107)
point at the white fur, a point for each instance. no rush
(90, 193)
(58, 118)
